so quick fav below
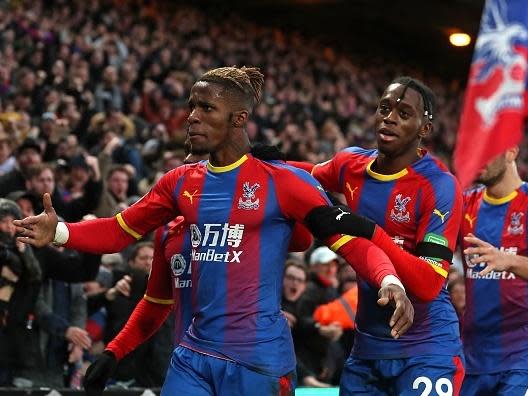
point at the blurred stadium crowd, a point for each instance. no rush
(93, 103)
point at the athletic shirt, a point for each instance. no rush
(423, 202)
(239, 224)
(495, 322)
(170, 277)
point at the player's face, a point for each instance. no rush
(399, 125)
(209, 118)
(493, 172)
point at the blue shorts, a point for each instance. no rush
(513, 382)
(416, 376)
(195, 374)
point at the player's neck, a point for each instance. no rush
(230, 152)
(389, 165)
(509, 183)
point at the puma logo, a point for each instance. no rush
(352, 191)
(440, 214)
(338, 217)
(189, 195)
(469, 219)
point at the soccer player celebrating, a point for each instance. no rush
(418, 203)
(494, 326)
(170, 284)
(240, 213)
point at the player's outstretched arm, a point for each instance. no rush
(106, 235)
(496, 260)
(421, 278)
(38, 230)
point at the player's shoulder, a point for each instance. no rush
(282, 172)
(434, 170)
(278, 167)
(186, 169)
(357, 153)
(474, 193)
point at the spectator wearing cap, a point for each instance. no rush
(27, 154)
(317, 340)
(7, 159)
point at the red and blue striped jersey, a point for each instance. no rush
(423, 202)
(170, 278)
(239, 223)
(495, 322)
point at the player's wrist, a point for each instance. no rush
(391, 280)
(62, 234)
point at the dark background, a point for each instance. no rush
(408, 31)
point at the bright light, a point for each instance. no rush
(459, 39)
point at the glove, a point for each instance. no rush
(98, 374)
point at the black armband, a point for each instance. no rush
(433, 250)
(325, 221)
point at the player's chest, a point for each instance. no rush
(227, 199)
(504, 226)
(393, 204)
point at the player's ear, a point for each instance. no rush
(240, 118)
(426, 129)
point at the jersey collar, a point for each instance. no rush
(227, 168)
(381, 177)
(499, 201)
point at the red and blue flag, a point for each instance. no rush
(492, 118)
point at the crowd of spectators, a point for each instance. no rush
(93, 103)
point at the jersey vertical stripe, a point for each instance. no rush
(495, 334)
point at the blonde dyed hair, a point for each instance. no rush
(247, 80)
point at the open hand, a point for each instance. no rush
(38, 230)
(484, 252)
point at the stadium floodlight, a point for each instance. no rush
(459, 39)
